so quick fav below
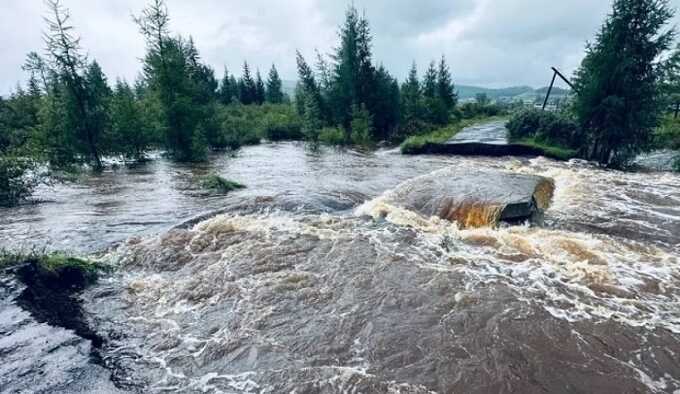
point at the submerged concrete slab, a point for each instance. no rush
(474, 198)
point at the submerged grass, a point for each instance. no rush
(416, 144)
(550, 150)
(217, 184)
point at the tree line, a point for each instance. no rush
(347, 95)
(70, 114)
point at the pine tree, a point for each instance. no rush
(260, 90)
(323, 70)
(98, 96)
(130, 136)
(311, 119)
(227, 90)
(247, 88)
(434, 106)
(411, 97)
(311, 93)
(274, 93)
(345, 79)
(430, 82)
(618, 101)
(300, 98)
(445, 89)
(70, 66)
(366, 73)
(384, 104)
(175, 80)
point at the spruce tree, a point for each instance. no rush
(383, 105)
(175, 80)
(445, 89)
(411, 97)
(98, 97)
(345, 79)
(274, 93)
(260, 90)
(311, 92)
(366, 73)
(311, 118)
(300, 98)
(247, 87)
(430, 82)
(227, 90)
(434, 107)
(323, 71)
(618, 101)
(130, 136)
(70, 67)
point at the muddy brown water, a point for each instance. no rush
(311, 281)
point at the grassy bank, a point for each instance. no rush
(57, 268)
(51, 263)
(548, 150)
(415, 144)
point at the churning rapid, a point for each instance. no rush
(331, 274)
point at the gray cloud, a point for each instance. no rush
(487, 42)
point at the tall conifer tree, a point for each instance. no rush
(274, 85)
(618, 101)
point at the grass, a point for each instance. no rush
(53, 264)
(217, 184)
(416, 143)
(549, 150)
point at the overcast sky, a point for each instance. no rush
(490, 43)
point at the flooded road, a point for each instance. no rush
(312, 281)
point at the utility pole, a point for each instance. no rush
(552, 83)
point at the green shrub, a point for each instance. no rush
(545, 127)
(362, 127)
(414, 127)
(237, 130)
(332, 136)
(217, 184)
(476, 110)
(668, 133)
(18, 179)
(282, 126)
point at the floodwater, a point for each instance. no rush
(312, 281)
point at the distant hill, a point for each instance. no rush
(468, 92)
(556, 91)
